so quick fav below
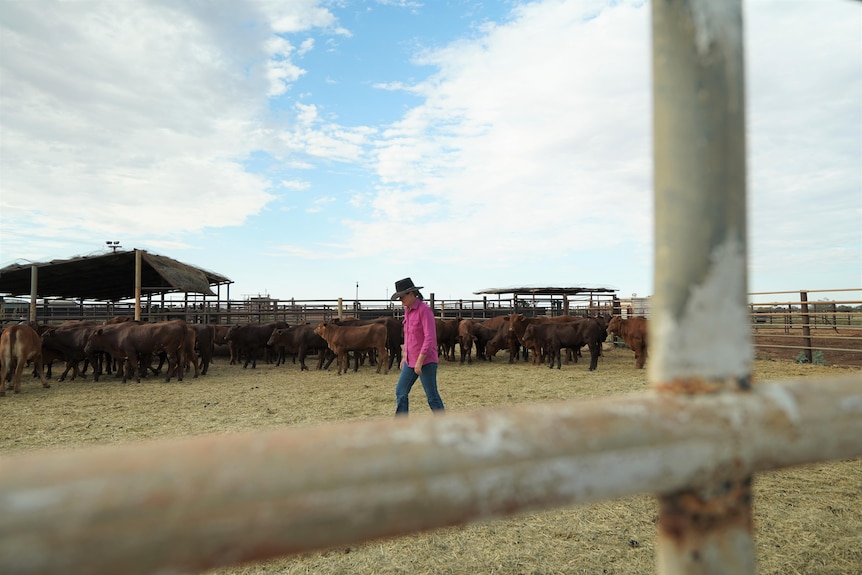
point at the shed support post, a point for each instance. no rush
(34, 289)
(138, 267)
(699, 327)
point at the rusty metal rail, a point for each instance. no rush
(197, 503)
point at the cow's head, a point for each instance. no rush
(530, 333)
(614, 325)
(321, 328)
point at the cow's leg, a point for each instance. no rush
(384, 360)
(131, 367)
(69, 365)
(4, 366)
(16, 376)
(595, 349)
(640, 360)
(197, 364)
(37, 362)
(343, 361)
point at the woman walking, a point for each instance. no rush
(419, 358)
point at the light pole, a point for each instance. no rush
(114, 245)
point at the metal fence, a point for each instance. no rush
(695, 440)
(812, 326)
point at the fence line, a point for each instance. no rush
(197, 503)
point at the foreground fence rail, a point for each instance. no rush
(193, 504)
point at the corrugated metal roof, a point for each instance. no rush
(108, 277)
(540, 290)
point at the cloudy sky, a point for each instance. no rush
(303, 147)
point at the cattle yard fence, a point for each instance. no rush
(694, 440)
(810, 326)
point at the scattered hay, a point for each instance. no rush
(808, 519)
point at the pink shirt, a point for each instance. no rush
(420, 333)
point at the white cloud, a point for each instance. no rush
(542, 124)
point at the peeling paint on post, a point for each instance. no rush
(700, 335)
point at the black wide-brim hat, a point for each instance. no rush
(404, 286)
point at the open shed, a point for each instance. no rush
(566, 294)
(108, 277)
(535, 290)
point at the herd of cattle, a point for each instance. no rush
(131, 347)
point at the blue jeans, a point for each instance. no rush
(429, 382)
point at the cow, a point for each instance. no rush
(395, 334)
(188, 354)
(633, 331)
(132, 340)
(573, 335)
(19, 344)
(300, 339)
(249, 338)
(466, 339)
(500, 339)
(341, 339)
(68, 340)
(447, 336)
(518, 324)
(554, 336)
(205, 341)
(482, 334)
(220, 343)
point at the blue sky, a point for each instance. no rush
(301, 147)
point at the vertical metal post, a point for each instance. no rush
(138, 275)
(34, 288)
(700, 338)
(806, 326)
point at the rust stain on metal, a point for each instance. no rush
(698, 385)
(688, 514)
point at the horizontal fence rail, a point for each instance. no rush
(783, 326)
(198, 503)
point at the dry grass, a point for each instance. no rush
(809, 519)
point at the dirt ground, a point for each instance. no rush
(842, 347)
(808, 519)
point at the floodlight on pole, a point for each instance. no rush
(113, 244)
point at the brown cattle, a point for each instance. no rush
(395, 333)
(249, 339)
(447, 336)
(220, 343)
(205, 340)
(188, 354)
(19, 344)
(518, 324)
(68, 340)
(482, 334)
(501, 338)
(130, 340)
(634, 333)
(341, 339)
(554, 336)
(300, 339)
(466, 339)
